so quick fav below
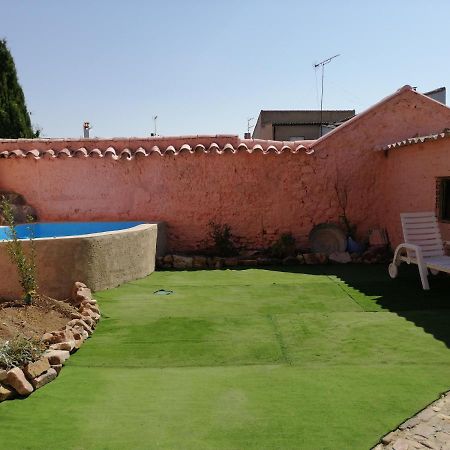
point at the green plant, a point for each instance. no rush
(284, 246)
(20, 351)
(223, 239)
(26, 264)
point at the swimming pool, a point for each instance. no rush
(100, 254)
(60, 229)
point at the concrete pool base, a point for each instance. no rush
(102, 261)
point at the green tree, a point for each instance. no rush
(14, 117)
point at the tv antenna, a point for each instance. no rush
(155, 118)
(249, 124)
(322, 64)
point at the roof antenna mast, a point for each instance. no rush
(322, 64)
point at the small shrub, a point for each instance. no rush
(20, 351)
(223, 239)
(284, 246)
(26, 264)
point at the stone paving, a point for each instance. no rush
(429, 429)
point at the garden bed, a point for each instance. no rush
(32, 321)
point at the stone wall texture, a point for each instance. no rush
(105, 260)
(259, 195)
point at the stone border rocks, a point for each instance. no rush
(22, 381)
(429, 429)
(375, 254)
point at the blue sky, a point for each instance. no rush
(204, 67)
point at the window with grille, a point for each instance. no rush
(443, 198)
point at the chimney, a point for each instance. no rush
(86, 128)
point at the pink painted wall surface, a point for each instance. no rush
(409, 183)
(259, 195)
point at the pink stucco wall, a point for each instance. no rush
(259, 195)
(409, 182)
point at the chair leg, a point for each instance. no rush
(423, 270)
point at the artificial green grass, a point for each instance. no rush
(252, 359)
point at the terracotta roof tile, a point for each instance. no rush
(416, 140)
(127, 149)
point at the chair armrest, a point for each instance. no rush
(406, 246)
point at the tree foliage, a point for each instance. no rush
(14, 117)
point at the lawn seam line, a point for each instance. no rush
(279, 338)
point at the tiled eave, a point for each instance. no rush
(127, 149)
(416, 140)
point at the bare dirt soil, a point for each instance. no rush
(44, 315)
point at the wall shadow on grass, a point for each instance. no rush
(372, 288)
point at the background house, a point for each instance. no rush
(298, 125)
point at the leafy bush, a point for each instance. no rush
(20, 351)
(223, 239)
(284, 246)
(26, 264)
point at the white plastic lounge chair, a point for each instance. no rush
(423, 246)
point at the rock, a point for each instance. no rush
(78, 343)
(76, 286)
(315, 258)
(57, 368)
(34, 369)
(83, 294)
(409, 423)
(91, 307)
(45, 378)
(47, 337)
(59, 336)
(90, 321)
(248, 262)
(263, 261)
(300, 259)
(6, 393)
(81, 332)
(290, 261)
(87, 313)
(182, 262)
(424, 430)
(231, 262)
(168, 259)
(16, 379)
(68, 346)
(57, 356)
(426, 414)
(3, 374)
(96, 317)
(389, 437)
(199, 262)
(75, 315)
(400, 444)
(322, 258)
(340, 257)
(80, 323)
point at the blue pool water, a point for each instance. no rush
(60, 229)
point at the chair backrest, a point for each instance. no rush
(422, 229)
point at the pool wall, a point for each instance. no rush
(102, 261)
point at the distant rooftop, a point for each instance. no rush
(285, 125)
